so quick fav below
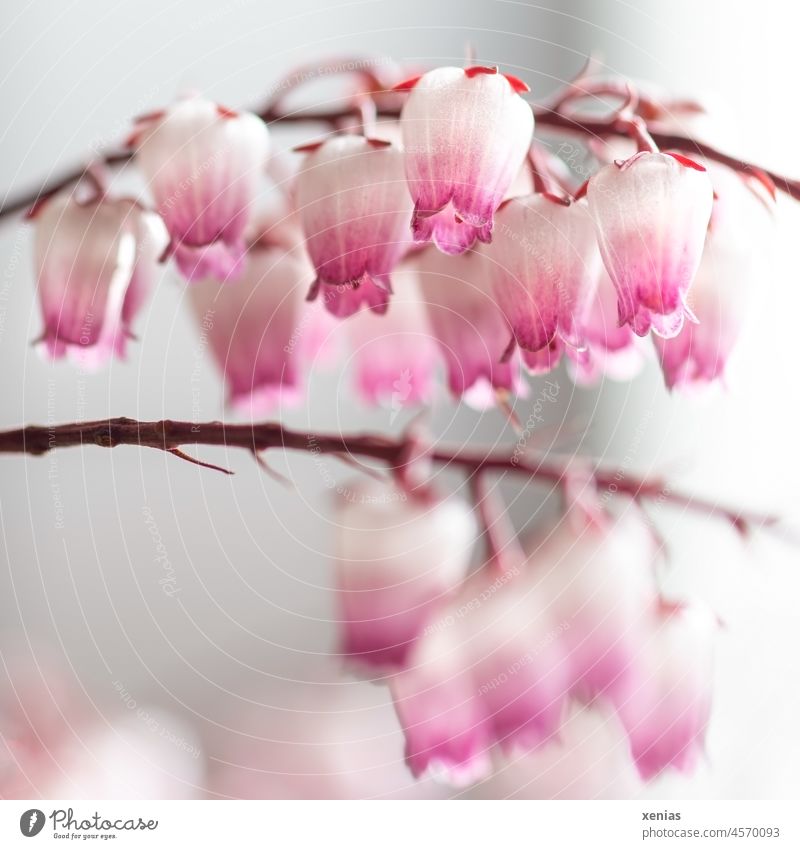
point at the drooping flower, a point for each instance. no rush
(354, 206)
(398, 555)
(444, 723)
(725, 280)
(545, 267)
(203, 163)
(666, 705)
(393, 357)
(651, 213)
(470, 329)
(259, 328)
(96, 262)
(596, 573)
(466, 134)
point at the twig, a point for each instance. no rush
(170, 436)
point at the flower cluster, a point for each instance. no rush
(452, 205)
(491, 661)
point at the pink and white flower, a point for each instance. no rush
(203, 163)
(96, 263)
(727, 276)
(354, 206)
(259, 328)
(466, 134)
(398, 556)
(597, 573)
(666, 705)
(470, 329)
(651, 213)
(394, 358)
(545, 267)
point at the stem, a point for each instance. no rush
(550, 118)
(170, 436)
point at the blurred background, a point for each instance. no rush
(175, 626)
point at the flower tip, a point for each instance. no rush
(480, 69)
(309, 147)
(226, 113)
(686, 161)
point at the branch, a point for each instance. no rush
(547, 117)
(170, 436)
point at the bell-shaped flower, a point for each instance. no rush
(728, 274)
(203, 164)
(393, 357)
(519, 661)
(596, 572)
(96, 262)
(354, 207)
(444, 722)
(259, 329)
(466, 134)
(470, 330)
(666, 706)
(398, 555)
(651, 213)
(545, 268)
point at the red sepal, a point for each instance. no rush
(582, 190)
(518, 85)
(765, 180)
(378, 143)
(225, 112)
(684, 160)
(480, 69)
(310, 147)
(406, 85)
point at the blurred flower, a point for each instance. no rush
(261, 332)
(394, 358)
(728, 273)
(466, 134)
(651, 213)
(398, 555)
(545, 268)
(354, 206)
(468, 326)
(203, 163)
(96, 264)
(666, 705)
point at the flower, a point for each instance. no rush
(545, 267)
(596, 573)
(466, 134)
(259, 328)
(651, 213)
(203, 163)
(354, 207)
(394, 357)
(398, 555)
(96, 262)
(726, 277)
(666, 705)
(470, 329)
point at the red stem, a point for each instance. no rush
(170, 436)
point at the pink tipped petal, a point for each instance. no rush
(255, 329)
(651, 215)
(470, 330)
(397, 557)
(666, 706)
(203, 167)
(466, 134)
(91, 259)
(545, 269)
(354, 207)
